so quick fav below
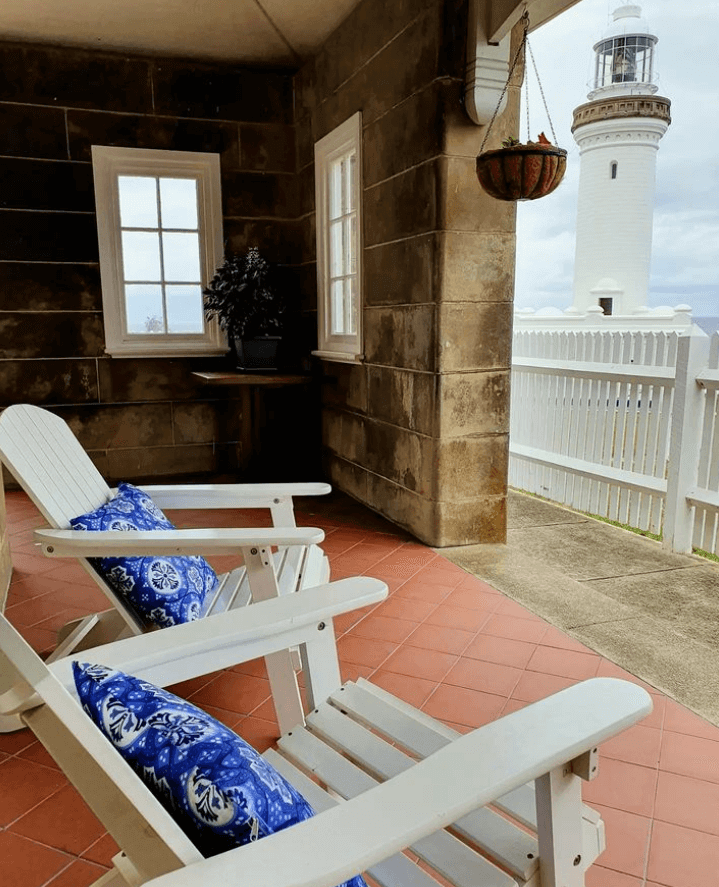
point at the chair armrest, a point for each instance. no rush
(230, 495)
(118, 543)
(180, 652)
(468, 773)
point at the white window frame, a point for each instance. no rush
(345, 138)
(111, 162)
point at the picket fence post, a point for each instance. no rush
(684, 442)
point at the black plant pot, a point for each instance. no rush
(261, 353)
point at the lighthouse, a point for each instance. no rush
(618, 131)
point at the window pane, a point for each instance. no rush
(141, 255)
(181, 256)
(178, 203)
(350, 306)
(335, 188)
(143, 307)
(138, 201)
(337, 268)
(184, 309)
(349, 170)
(337, 320)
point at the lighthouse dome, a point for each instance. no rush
(628, 19)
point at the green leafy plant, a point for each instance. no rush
(248, 296)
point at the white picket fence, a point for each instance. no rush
(624, 425)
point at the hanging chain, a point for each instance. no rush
(520, 48)
(541, 92)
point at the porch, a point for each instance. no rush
(459, 646)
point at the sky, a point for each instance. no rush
(685, 246)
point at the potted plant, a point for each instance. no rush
(248, 296)
(519, 171)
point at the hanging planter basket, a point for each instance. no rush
(521, 171)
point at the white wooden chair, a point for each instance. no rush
(48, 461)
(413, 783)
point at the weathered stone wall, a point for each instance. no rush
(419, 431)
(138, 417)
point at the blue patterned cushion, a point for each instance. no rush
(215, 785)
(160, 590)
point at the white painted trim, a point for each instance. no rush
(345, 137)
(110, 162)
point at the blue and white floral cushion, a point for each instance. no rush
(161, 590)
(216, 786)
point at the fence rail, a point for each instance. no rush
(624, 425)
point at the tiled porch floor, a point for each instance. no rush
(444, 641)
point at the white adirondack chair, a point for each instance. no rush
(48, 461)
(359, 743)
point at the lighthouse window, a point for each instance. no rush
(614, 170)
(624, 60)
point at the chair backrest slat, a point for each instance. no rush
(50, 464)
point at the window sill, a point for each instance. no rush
(339, 357)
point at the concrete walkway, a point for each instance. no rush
(654, 613)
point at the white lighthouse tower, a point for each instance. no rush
(618, 132)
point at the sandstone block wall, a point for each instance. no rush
(419, 431)
(139, 418)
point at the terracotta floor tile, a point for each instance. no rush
(692, 803)
(259, 733)
(40, 639)
(351, 671)
(363, 651)
(680, 720)
(27, 864)
(383, 628)
(554, 637)
(533, 686)
(102, 851)
(623, 786)
(637, 745)
(405, 608)
(443, 572)
(564, 663)
(432, 665)
(601, 877)
(512, 705)
(474, 598)
(402, 565)
(500, 650)
(255, 667)
(514, 628)
(608, 669)
(656, 717)
(431, 592)
(414, 691)
(681, 857)
(24, 564)
(438, 637)
(78, 874)
(233, 692)
(627, 841)
(63, 821)
(23, 785)
(690, 756)
(185, 689)
(37, 754)
(462, 706)
(12, 743)
(450, 616)
(486, 676)
(508, 607)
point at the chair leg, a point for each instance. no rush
(559, 828)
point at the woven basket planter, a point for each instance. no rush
(521, 172)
